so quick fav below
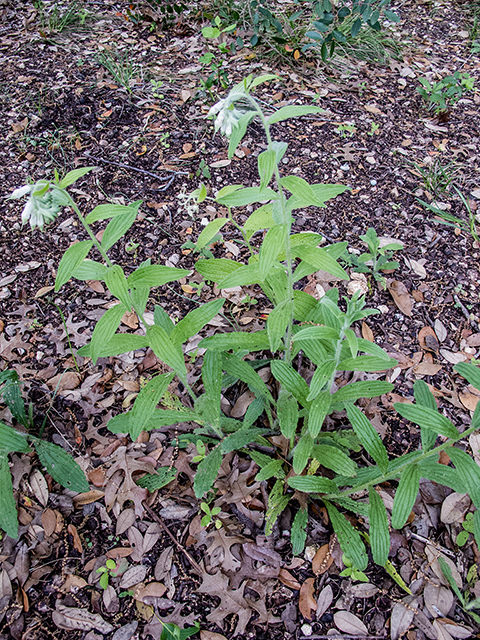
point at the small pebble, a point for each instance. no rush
(306, 629)
(373, 182)
(345, 167)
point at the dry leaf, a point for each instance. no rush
(19, 126)
(438, 600)
(306, 601)
(65, 381)
(427, 369)
(187, 147)
(322, 560)
(87, 497)
(454, 507)
(119, 552)
(325, 599)
(241, 405)
(358, 282)
(130, 319)
(288, 580)
(375, 110)
(125, 521)
(401, 296)
(134, 575)
(74, 618)
(416, 266)
(363, 590)
(220, 163)
(150, 592)
(402, 617)
(474, 340)
(72, 584)
(469, 400)
(77, 543)
(49, 522)
(454, 629)
(349, 623)
(440, 330)
(39, 486)
(211, 635)
(427, 339)
(43, 290)
(367, 333)
(433, 554)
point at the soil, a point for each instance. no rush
(61, 109)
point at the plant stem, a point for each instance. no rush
(86, 226)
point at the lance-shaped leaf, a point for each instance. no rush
(273, 242)
(316, 333)
(277, 323)
(424, 397)
(212, 379)
(441, 474)
(248, 195)
(468, 471)
(145, 403)
(361, 389)
(240, 369)
(194, 321)
(162, 319)
(367, 363)
(348, 538)
(334, 459)
(299, 531)
(247, 274)
(379, 533)
(239, 131)
(105, 329)
(323, 373)
(71, 260)
(470, 372)
(154, 481)
(302, 452)
(287, 413)
(118, 226)
(267, 161)
(210, 231)
(118, 344)
(106, 211)
(8, 507)
(241, 438)
(312, 484)
(90, 270)
(300, 188)
(318, 412)
(237, 340)
(61, 466)
(166, 350)
(216, 269)
(293, 111)
(320, 259)
(73, 176)
(405, 495)
(155, 275)
(11, 440)
(207, 472)
(428, 418)
(291, 380)
(117, 284)
(369, 438)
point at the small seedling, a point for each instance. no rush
(171, 631)
(443, 95)
(203, 170)
(343, 129)
(374, 129)
(453, 221)
(201, 452)
(467, 526)
(156, 85)
(436, 177)
(351, 572)
(108, 571)
(209, 516)
(376, 259)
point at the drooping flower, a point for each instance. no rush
(229, 110)
(42, 208)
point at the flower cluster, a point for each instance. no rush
(229, 110)
(43, 204)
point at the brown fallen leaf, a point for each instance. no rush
(454, 507)
(211, 635)
(400, 296)
(438, 600)
(288, 580)
(306, 602)
(49, 522)
(367, 333)
(402, 616)
(322, 560)
(75, 618)
(77, 543)
(96, 286)
(72, 584)
(428, 339)
(427, 369)
(469, 400)
(18, 127)
(349, 623)
(43, 290)
(65, 381)
(87, 497)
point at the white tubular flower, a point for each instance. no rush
(39, 209)
(228, 113)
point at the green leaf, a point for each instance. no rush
(300, 188)
(118, 344)
(71, 260)
(247, 274)
(468, 471)
(272, 470)
(73, 176)
(90, 270)
(476, 526)
(210, 231)
(154, 481)
(118, 227)
(293, 111)
(316, 333)
(302, 452)
(267, 161)
(348, 538)
(334, 459)
(238, 341)
(166, 350)
(277, 502)
(216, 269)
(362, 389)
(267, 77)
(212, 375)
(298, 534)
(287, 413)
(447, 572)
(320, 259)
(405, 495)
(239, 131)
(155, 275)
(8, 507)
(367, 363)
(240, 439)
(240, 369)
(470, 372)
(273, 242)
(321, 376)
(106, 211)
(105, 329)
(425, 398)
(145, 403)
(319, 410)
(61, 466)
(162, 319)
(303, 303)
(12, 397)
(277, 323)
(248, 195)
(11, 440)
(195, 321)
(379, 533)
(117, 284)
(312, 484)
(207, 472)
(291, 380)
(441, 474)
(369, 438)
(428, 418)
(261, 218)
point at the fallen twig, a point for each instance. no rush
(147, 173)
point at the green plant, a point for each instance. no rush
(343, 129)
(58, 18)
(120, 66)
(436, 177)
(108, 571)
(170, 631)
(467, 526)
(351, 572)
(216, 55)
(203, 170)
(321, 461)
(156, 86)
(467, 605)
(454, 221)
(373, 129)
(444, 94)
(209, 516)
(376, 259)
(58, 463)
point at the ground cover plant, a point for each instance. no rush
(169, 539)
